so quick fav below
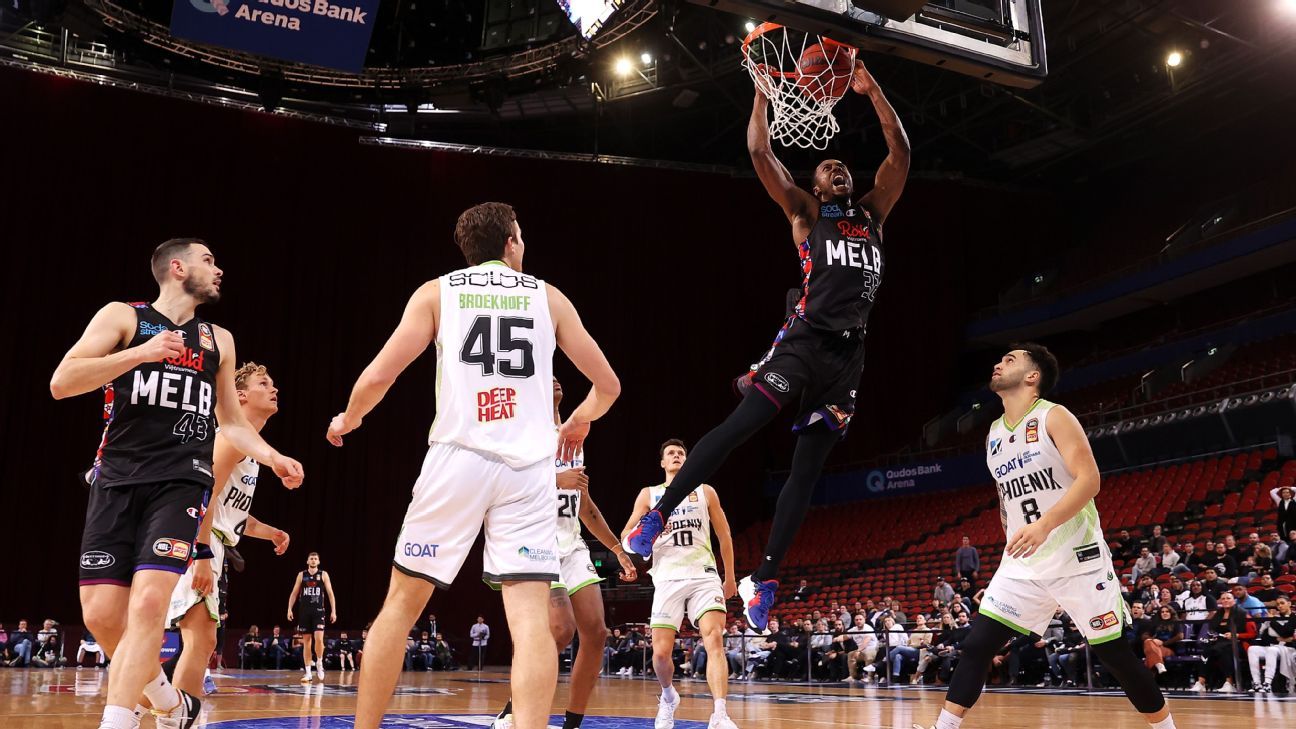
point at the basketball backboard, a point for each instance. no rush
(1001, 41)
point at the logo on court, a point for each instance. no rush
(777, 381)
(440, 721)
(97, 560)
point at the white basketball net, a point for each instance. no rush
(802, 103)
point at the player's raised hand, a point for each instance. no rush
(288, 470)
(862, 82)
(571, 436)
(280, 540)
(163, 345)
(628, 571)
(339, 427)
(1028, 539)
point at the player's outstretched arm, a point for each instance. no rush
(1072, 444)
(593, 520)
(797, 204)
(890, 179)
(417, 330)
(261, 530)
(234, 425)
(721, 524)
(98, 356)
(584, 352)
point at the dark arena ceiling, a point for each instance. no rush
(465, 72)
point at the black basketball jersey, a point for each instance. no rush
(312, 590)
(160, 422)
(841, 266)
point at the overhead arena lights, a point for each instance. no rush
(1174, 59)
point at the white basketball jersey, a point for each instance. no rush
(683, 552)
(495, 345)
(1031, 478)
(569, 507)
(231, 514)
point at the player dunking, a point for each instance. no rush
(687, 584)
(491, 450)
(1055, 554)
(818, 355)
(195, 607)
(165, 373)
(575, 601)
(312, 597)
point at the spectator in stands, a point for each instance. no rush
(1286, 506)
(1146, 564)
(251, 648)
(943, 592)
(89, 645)
(1246, 602)
(346, 652)
(821, 642)
(617, 652)
(1260, 562)
(898, 648)
(279, 647)
(424, 652)
(947, 647)
(735, 649)
(1145, 590)
(759, 648)
(859, 610)
(860, 659)
(1198, 606)
(1067, 654)
(1138, 625)
(1280, 549)
(1230, 629)
(1266, 592)
(967, 563)
(802, 592)
(1157, 540)
(966, 591)
(1122, 547)
(429, 625)
(871, 611)
(898, 613)
(1273, 646)
(1170, 560)
(1161, 635)
(920, 639)
(1202, 558)
(18, 649)
(640, 652)
(50, 627)
(833, 658)
(1212, 584)
(444, 655)
(47, 652)
(480, 634)
(1226, 555)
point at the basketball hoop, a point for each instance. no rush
(803, 81)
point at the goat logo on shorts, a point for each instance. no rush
(777, 381)
(97, 560)
(1106, 620)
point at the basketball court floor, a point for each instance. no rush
(67, 698)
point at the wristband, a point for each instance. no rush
(203, 551)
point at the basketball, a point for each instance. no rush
(825, 73)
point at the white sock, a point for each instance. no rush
(670, 695)
(309, 671)
(118, 717)
(948, 720)
(1166, 723)
(720, 709)
(206, 673)
(164, 697)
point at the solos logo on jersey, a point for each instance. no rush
(173, 548)
(1104, 621)
(1032, 430)
(777, 381)
(499, 403)
(205, 339)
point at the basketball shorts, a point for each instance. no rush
(817, 370)
(140, 527)
(310, 619)
(1093, 600)
(183, 597)
(576, 571)
(457, 493)
(675, 599)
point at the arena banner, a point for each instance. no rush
(318, 32)
(921, 477)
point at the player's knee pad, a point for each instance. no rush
(1138, 683)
